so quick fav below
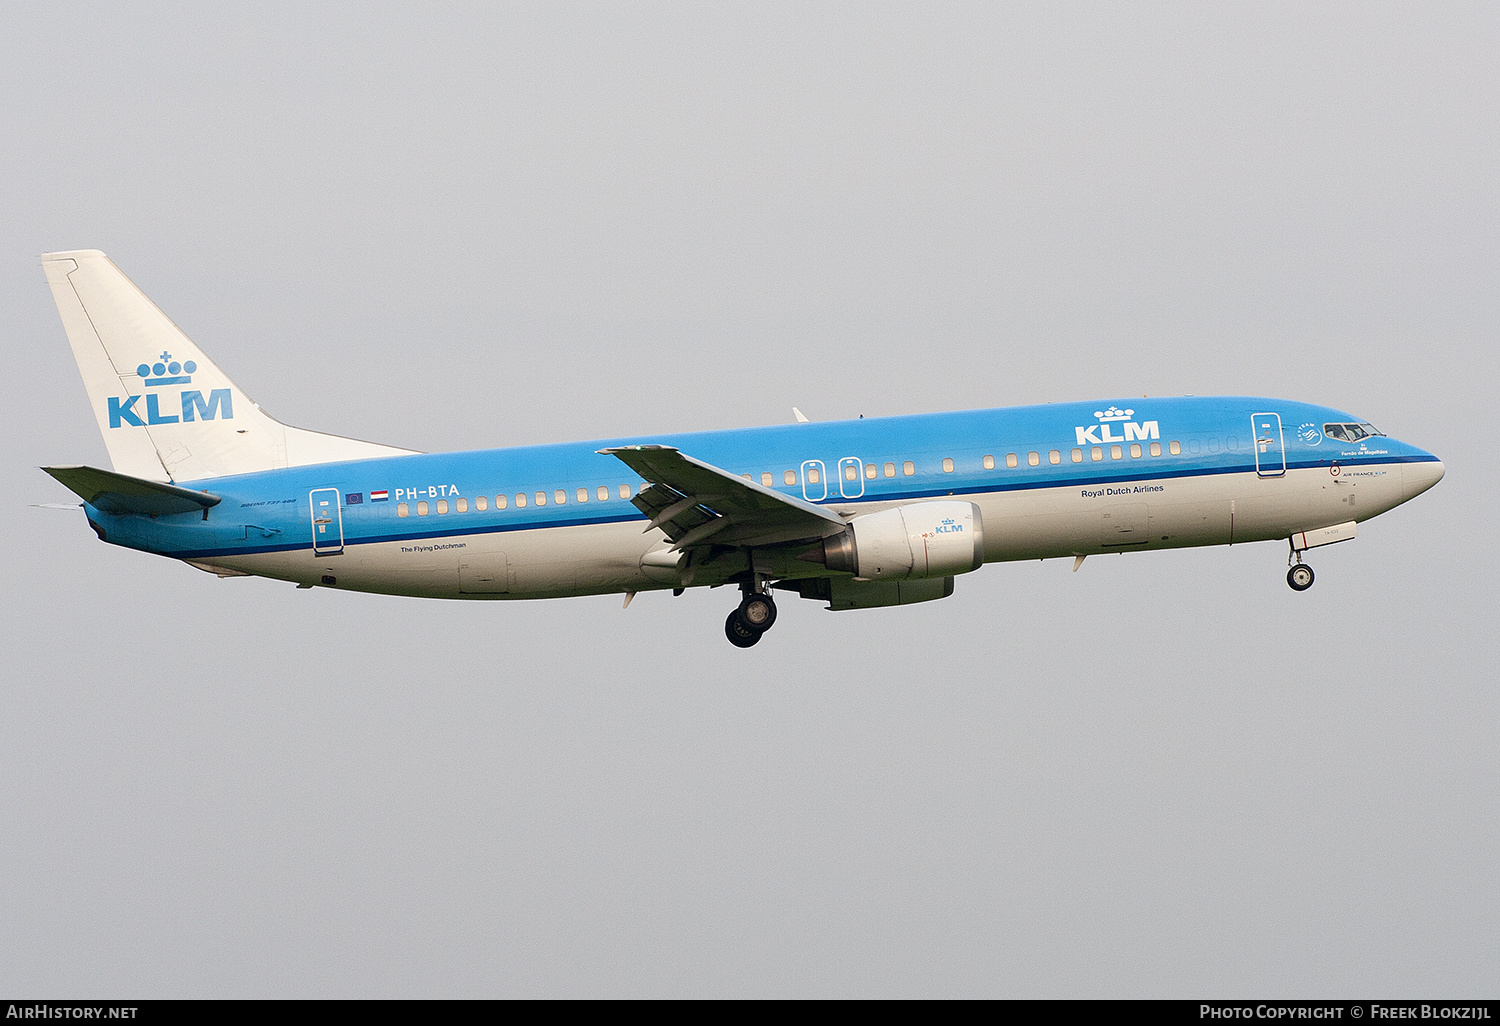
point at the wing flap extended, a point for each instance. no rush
(121, 493)
(697, 503)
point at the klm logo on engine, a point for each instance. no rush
(1104, 431)
(950, 526)
(193, 406)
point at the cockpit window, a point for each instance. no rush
(1351, 432)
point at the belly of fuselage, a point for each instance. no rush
(1040, 523)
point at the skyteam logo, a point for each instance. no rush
(167, 371)
(950, 526)
(1104, 431)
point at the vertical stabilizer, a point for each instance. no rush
(165, 409)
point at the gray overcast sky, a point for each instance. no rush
(1166, 775)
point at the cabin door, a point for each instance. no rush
(327, 522)
(1270, 453)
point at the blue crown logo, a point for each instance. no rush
(166, 371)
(1114, 413)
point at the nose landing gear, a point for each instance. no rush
(755, 615)
(1300, 576)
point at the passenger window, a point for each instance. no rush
(1077, 455)
(1194, 446)
(583, 495)
(501, 502)
(1034, 459)
(989, 463)
(1011, 461)
(1115, 452)
(871, 470)
(1175, 448)
(520, 499)
(462, 505)
(1054, 457)
(1096, 453)
(851, 472)
(908, 468)
(422, 508)
(766, 479)
(890, 470)
(1156, 448)
(442, 505)
(624, 491)
(789, 477)
(1232, 443)
(1135, 450)
(482, 503)
(603, 493)
(813, 477)
(747, 477)
(541, 498)
(1213, 445)
(560, 496)
(947, 465)
(402, 509)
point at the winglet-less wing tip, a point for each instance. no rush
(616, 450)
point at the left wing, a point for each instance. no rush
(696, 503)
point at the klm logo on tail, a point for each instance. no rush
(167, 371)
(1103, 432)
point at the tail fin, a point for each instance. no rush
(166, 411)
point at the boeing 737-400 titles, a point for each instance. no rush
(863, 513)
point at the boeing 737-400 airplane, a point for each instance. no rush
(861, 513)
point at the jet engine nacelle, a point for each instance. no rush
(923, 539)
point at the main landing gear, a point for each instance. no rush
(755, 615)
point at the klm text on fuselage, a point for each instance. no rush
(1100, 434)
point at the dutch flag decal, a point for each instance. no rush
(379, 496)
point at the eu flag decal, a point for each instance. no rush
(354, 498)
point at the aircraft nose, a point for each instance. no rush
(1416, 478)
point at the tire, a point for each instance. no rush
(1300, 577)
(738, 634)
(757, 612)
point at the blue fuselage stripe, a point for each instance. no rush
(270, 509)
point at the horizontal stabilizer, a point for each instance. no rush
(120, 493)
